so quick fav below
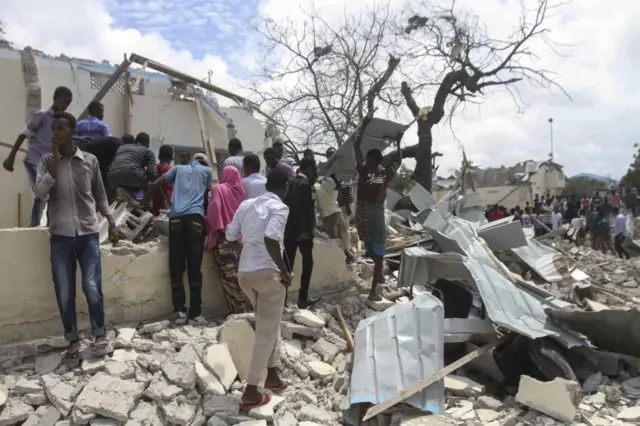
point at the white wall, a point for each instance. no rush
(493, 194)
(156, 113)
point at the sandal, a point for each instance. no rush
(278, 389)
(75, 353)
(265, 398)
(101, 349)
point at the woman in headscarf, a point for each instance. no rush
(225, 200)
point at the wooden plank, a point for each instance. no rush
(429, 380)
(195, 81)
(124, 66)
(345, 329)
(128, 98)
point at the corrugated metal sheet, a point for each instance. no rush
(506, 304)
(397, 348)
(541, 259)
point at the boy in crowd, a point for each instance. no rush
(162, 195)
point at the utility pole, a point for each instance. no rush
(551, 138)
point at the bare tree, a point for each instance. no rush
(463, 62)
(316, 77)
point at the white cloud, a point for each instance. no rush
(594, 133)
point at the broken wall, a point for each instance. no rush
(135, 288)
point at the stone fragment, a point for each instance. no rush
(308, 396)
(463, 386)
(50, 417)
(267, 411)
(91, 366)
(487, 416)
(629, 414)
(380, 305)
(36, 398)
(207, 382)
(253, 423)
(219, 404)
(459, 410)
(119, 369)
(181, 368)
(64, 423)
(558, 398)
(216, 421)
(24, 386)
(126, 333)
(592, 382)
(198, 420)
(60, 393)
(160, 389)
(325, 349)
(315, 414)
(146, 414)
(308, 318)
(489, 402)
(293, 348)
(154, 327)
(301, 370)
(49, 363)
(109, 396)
(179, 412)
(32, 420)
(99, 421)
(14, 411)
(142, 345)
(240, 337)
(286, 419)
(79, 417)
(320, 370)
(631, 387)
(4, 394)
(309, 424)
(124, 355)
(290, 329)
(219, 360)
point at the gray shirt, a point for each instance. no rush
(72, 194)
(38, 131)
(133, 159)
(235, 161)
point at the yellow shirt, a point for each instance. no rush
(325, 199)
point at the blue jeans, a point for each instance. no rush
(38, 204)
(65, 251)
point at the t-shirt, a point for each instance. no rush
(597, 202)
(526, 221)
(372, 184)
(556, 220)
(189, 185)
(620, 225)
(615, 200)
(235, 161)
(497, 214)
(166, 187)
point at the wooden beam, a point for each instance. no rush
(345, 329)
(195, 81)
(429, 380)
(124, 66)
(128, 100)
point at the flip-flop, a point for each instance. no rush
(75, 354)
(101, 349)
(265, 398)
(282, 387)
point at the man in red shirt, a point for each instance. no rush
(162, 195)
(496, 213)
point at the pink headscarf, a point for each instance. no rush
(226, 197)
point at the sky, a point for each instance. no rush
(596, 60)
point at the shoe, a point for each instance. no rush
(199, 320)
(180, 318)
(308, 303)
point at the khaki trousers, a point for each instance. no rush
(337, 227)
(266, 294)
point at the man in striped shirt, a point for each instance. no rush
(93, 126)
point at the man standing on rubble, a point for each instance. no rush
(373, 179)
(620, 233)
(73, 183)
(235, 157)
(93, 126)
(38, 130)
(263, 276)
(273, 161)
(133, 166)
(191, 184)
(301, 225)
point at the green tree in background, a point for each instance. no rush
(584, 187)
(632, 178)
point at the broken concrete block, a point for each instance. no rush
(146, 413)
(48, 363)
(240, 337)
(4, 394)
(326, 350)
(160, 389)
(154, 327)
(24, 386)
(486, 415)
(14, 412)
(293, 348)
(315, 414)
(253, 423)
(60, 393)
(181, 368)
(121, 370)
(50, 417)
(320, 370)
(558, 399)
(124, 355)
(109, 396)
(289, 329)
(179, 412)
(489, 402)
(463, 386)
(308, 318)
(36, 398)
(91, 366)
(220, 405)
(219, 360)
(79, 417)
(127, 333)
(266, 412)
(207, 382)
(629, 414)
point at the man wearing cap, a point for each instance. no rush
(191, 184)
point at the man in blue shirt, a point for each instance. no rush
(191, 184)
(93, 126)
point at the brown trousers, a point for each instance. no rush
(337, 227)
(266, 294)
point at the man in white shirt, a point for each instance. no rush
(235, 155)
(333, 221)
(263, 277)
(254, 182)
(620, 233)
(556, 218)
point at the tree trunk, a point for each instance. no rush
(423, 173)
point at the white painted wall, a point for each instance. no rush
(164, 119)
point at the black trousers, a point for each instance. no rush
(617, 241)
(186, 248)
(291, 246)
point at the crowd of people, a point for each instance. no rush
(253, 225)
(599, 216)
